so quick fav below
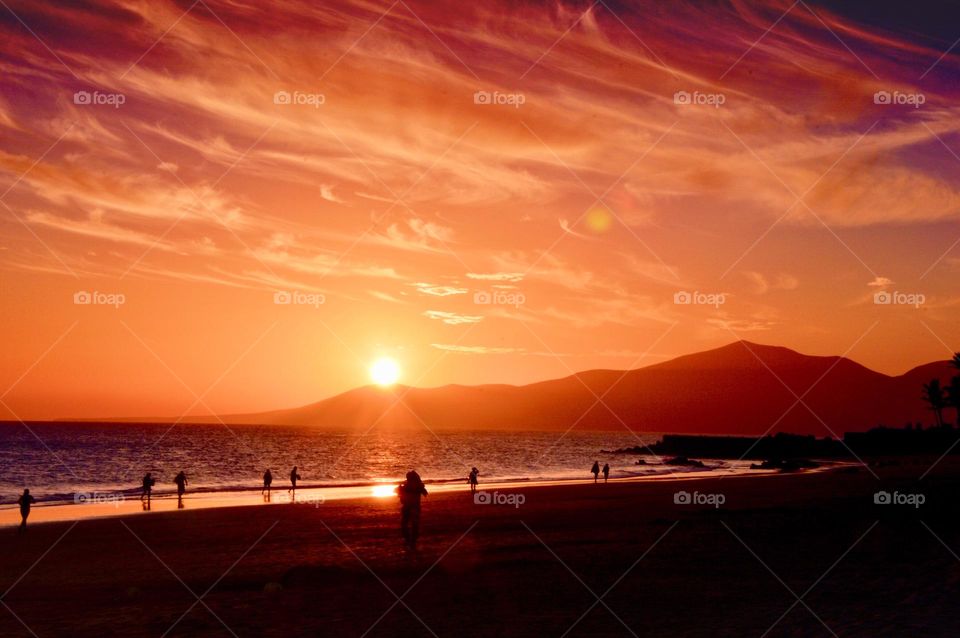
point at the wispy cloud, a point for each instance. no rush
(438, 291)
(474, 349)
(880, 282)
(452, 318)
(496, 276)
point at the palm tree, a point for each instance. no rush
(933, 395)
(953, 390)
(953, 396)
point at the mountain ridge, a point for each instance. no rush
(740, 388)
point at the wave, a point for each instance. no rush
(104, 494)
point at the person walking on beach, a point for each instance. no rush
(181, 481)
(148, 482)
(595, 470)
(606, 472)
(294, 477)
(474, 473)
(410, 492)
(25, 501)
(267, 481)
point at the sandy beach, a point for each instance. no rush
(616, 559)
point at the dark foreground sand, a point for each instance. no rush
(660, 569)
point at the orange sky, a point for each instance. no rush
(580, 203)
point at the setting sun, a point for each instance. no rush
(384, 371)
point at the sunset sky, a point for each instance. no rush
(194, 163)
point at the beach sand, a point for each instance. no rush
(579, 560)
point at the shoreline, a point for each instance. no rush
(113, 507)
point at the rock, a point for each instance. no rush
(682, 460)
(791, 465)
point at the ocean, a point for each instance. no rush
(59, 461)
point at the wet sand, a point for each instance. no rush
(106, 504)
(535, 569)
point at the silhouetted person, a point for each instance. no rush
(148, 483)
(181, 481)
(606, 472)
(595, 470)
(25, 501)
(294, 477)
(410, 492)
(474, 473)
(267, 481)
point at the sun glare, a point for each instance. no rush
(385, 371)
(383, 491)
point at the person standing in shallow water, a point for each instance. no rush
(606, 472)
(267, 481)
(595, 470)
(181, 481)
(147, 483)
(472, 479)
(410, 492)
(25, 501)
(294, 477)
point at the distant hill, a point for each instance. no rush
(741, 388)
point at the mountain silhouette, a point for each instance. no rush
(742, 388)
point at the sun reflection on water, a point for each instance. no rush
(383, 491)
